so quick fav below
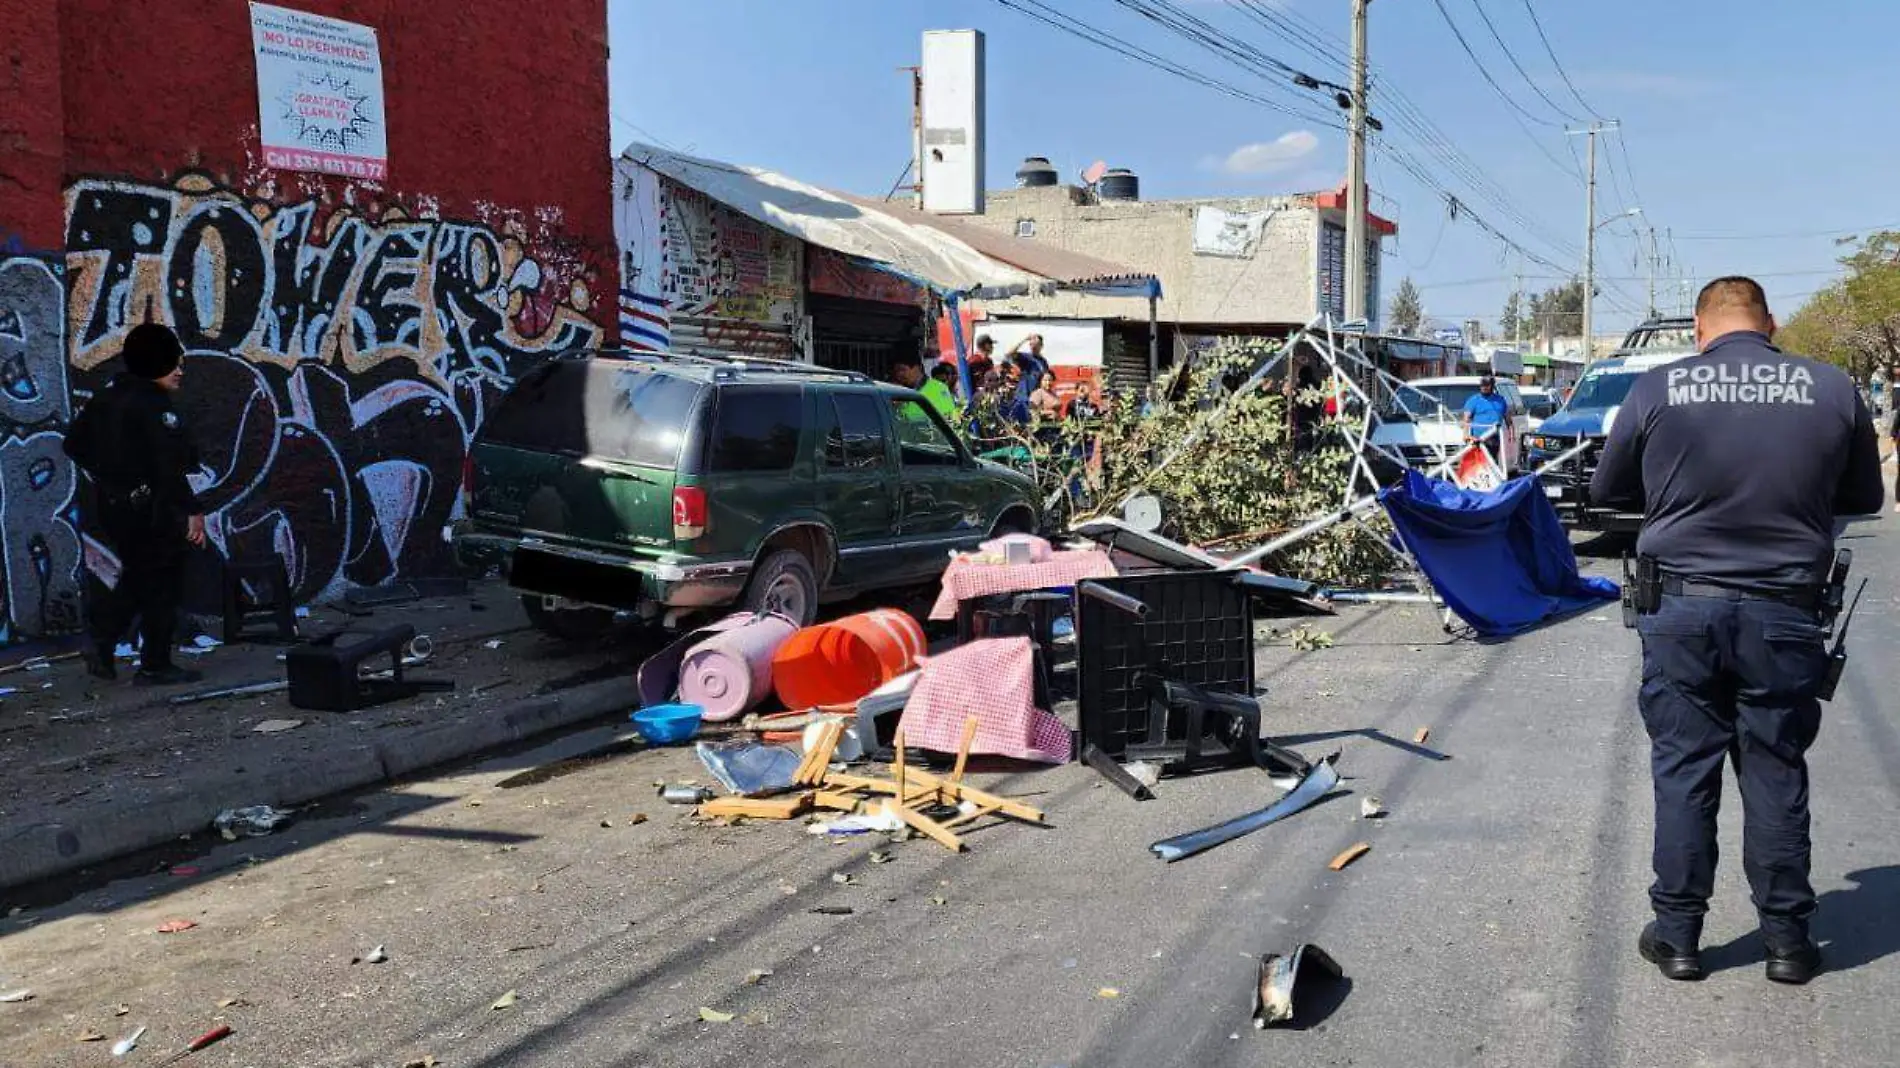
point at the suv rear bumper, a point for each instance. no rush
(534, 565)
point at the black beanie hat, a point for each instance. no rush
(152, 351)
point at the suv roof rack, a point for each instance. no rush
(727, 367)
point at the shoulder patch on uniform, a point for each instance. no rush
(171, 420)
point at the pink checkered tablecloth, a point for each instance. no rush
(993, 681)
(965, 578)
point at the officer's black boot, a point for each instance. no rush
(1675, 962)
(1793, 963)
(99, 661)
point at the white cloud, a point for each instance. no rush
(1269, 157)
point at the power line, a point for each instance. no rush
(1043, 13)
(1512, 56)
(1484, 71)
(1407, 117)
(1850, 232)
(1552, 53)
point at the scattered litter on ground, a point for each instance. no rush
(1318, 782)
(832, 910)
(175, 926)
(253, 821)
(492, 643)
(1281, 974)
(842, 879)
(636, 819)
(1108, 992)
(277, 726)
(685, 795)
(128, 1043)
(506, 1001)
(714, 1015)
(1350, 854)
(376, 955)
(1306, 639)
(1145, 772)
(14, 997)
(878, 856)
(863, 823)
(757, 976)
(89, 1035)
(209, 1038)
(939, 899)
(1371, 808)
(1423, 733)
(122, 1010)
(233, 1003)
(427, 1060)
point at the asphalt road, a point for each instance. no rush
(1492, 923)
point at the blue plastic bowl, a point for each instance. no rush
(667, 724)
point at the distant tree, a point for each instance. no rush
(1558, 310)
(1406, 310)
(1513, 312)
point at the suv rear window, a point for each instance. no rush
(596, 408)
(757, 429)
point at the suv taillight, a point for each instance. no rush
(689, 513)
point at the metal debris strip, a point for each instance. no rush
(1317, 783)
(1282, 974)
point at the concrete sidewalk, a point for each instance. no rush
(93, 771)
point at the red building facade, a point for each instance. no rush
(345, 336)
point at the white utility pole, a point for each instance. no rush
(1356, 173)
(1590, 238)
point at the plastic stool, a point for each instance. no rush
(270, 606)
(326, 674)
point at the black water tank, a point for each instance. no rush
(1119, 183)
(1035, 172)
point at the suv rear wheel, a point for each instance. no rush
(784, 583)
(569, 623)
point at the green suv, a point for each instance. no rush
(666, 486)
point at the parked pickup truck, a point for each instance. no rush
(1586, 419)
(670, 486)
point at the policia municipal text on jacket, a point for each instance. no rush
(1741, 458)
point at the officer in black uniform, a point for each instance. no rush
(1740, 457)
(136, 451)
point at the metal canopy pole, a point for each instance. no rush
(1154, 340)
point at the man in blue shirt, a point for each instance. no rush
(1484, 418)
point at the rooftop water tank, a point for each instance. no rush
(1035, 172)
(1119, 183)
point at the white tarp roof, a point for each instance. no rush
(822, 218)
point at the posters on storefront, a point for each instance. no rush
(319, 94)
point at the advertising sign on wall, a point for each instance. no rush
(319, 94)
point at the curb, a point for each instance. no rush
(49, 849)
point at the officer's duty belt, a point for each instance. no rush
(1807, 600)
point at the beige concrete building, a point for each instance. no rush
(1226, 264)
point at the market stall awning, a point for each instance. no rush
(927, 256)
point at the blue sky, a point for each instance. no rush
(1749, 126)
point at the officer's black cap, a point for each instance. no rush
(152, 351)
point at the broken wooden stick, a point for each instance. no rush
(1351, 853)
(758, 808)
(963, 749)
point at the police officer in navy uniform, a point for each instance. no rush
(137, 452)
(1740, 458)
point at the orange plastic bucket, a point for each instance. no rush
(838, 662)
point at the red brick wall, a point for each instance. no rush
(346, 337)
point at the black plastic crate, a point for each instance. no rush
(1199, 629)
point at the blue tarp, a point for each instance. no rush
(1500, 559)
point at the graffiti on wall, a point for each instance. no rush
(685, 256)
(38, 530)
(339, 362)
